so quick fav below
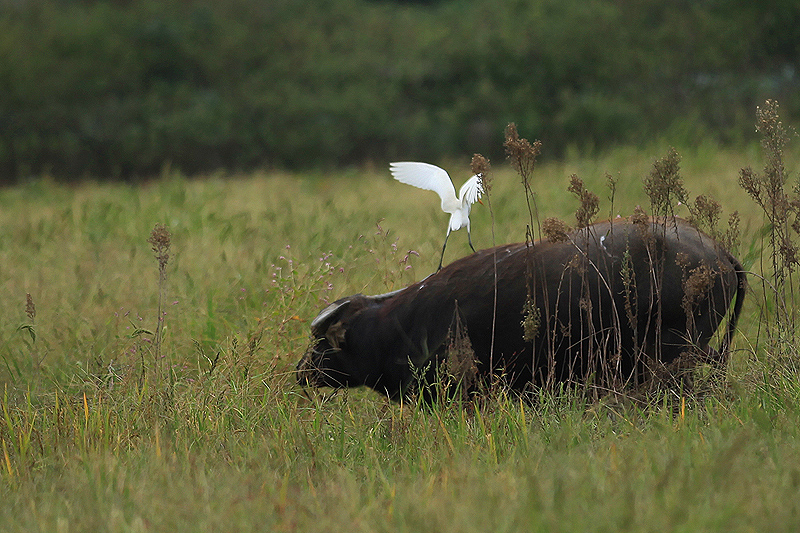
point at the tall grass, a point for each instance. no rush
(89, 445)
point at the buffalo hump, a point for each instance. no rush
(607, 301)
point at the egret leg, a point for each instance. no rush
(443, 247)
(469, 239)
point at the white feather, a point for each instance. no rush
(436, 179)
(432, 178)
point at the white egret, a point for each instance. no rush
(433, 178)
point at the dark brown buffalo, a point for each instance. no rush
(613, 299)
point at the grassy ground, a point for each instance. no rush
(106, 426)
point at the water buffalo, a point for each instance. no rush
(603, 303)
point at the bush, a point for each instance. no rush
(122, 89)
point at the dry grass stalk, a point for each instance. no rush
(706, 212)
(639, 216)
(555, 230)
(460, 361)
(611, 183)
(664, 185)
(30, 312)
(629, 283)
(160, 239)
(523, 156)
(531, 321)
(480, 167)
(590, 203)
(30, 308)
(781, 208)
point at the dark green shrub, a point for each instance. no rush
(117, 89)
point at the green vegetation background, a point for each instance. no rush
(125, 89)
(98, 432)
(106, 426)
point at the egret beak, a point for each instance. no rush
(479, 201)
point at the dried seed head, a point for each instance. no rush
(682, 260)
(611, 183)
(664, 186)
(555, 230)
(531, 320)
(696, 287)
(590, 203)
(522, 153)
(480, 167)
(160, 241)
(789, 252)
(460, 362)
(706, 211)
(30, 308)
(768, 123)
(639, 216)
(730, 237)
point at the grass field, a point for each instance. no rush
(110, 423)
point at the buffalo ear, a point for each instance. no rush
(335, 335)
(330, 322)
(329, 315)
(334, 312)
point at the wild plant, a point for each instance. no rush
(664, 186)
(781, 209)
(393, 267)
(777, 365)
(523, 155)
(596, 360)
(546, 328)
(480, 167)
(603, 358)
(705, 212)
(589, 202)
(160, 239)
(460, 364)
(296, 288)
(30, 328)
(611, 184)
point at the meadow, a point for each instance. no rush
(141, 399)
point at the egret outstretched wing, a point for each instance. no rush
(433, 178)
(471, 191)
(429, 177)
